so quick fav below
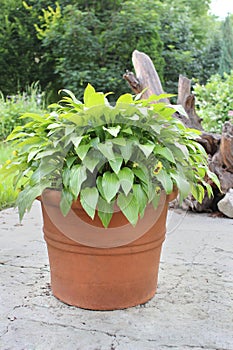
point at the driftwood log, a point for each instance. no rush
(218, 147)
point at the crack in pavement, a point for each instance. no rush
(116, 336)
(42, 268)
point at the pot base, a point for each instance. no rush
(103, 278)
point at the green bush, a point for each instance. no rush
(12, 107)
(86, 46)
(214, 101)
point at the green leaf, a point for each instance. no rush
(155, 200)
(147, 149)
(105, 211)
(126, 98)
(159, 97)
(110, 185)
(149, 189)
(33, 141)
(74, 99)
(89, 198)
(17, 135)
(76, 140)
(209, 189)
(126, 151)
(88, 92)
(119, 141)
(135, 117)
(44, 170)
(165, 152)
(54, 126)
(28, 195)
(106, 150)
(201, 171)
(49, 152)
(94, 142)
(91, 161)
(182, 184)
(114, 130)
(66, 201)
(141, 173)
(8, 170)
(78, 175)
(69, 129)
(32, 153)
(183, 149)
(165, 180)
(157, 128)
(129, 207)
(70, 160)
(128, 131)
(180, 109)
(82, 150)
(116, 164)
(194, 191)
(99, 186)
(34, 116)
(65, 176)
(126, 177)
(201, 193)
(141, 198)
(200, 148)
(214, 178)
(93, 98)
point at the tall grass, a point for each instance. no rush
(8, 194)
(12, 107)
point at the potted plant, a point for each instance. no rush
(104, 175)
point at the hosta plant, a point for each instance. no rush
(123, 154)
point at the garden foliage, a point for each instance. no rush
(214, 101)
(12, 107)
(65, 44)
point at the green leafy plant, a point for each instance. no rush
(215, 101)
(123, 154)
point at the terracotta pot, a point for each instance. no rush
(109, 271)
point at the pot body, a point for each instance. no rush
(101, 278)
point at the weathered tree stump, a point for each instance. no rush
(146, 76)
(218, 147)
(222, 161)
(187, 100)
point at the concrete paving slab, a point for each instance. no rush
(193, 307)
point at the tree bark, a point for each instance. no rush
(187, 100)
(146, 76)
(222, 161)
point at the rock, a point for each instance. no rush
(225, 205)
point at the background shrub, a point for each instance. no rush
(67, 43)
(214, 101)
